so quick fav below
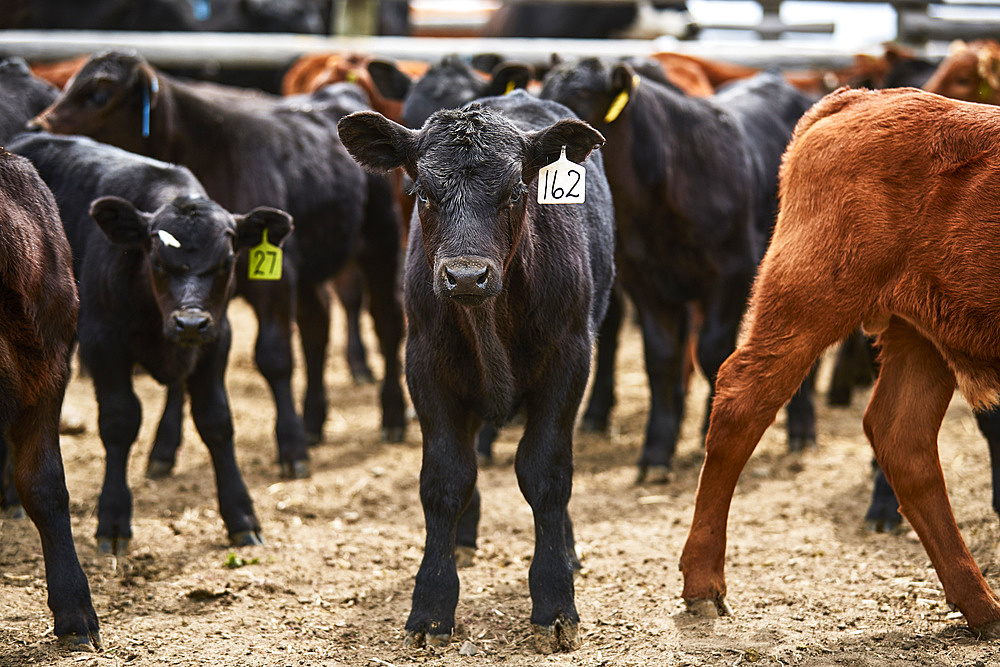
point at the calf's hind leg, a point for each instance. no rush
(902, 421)
(751, 386)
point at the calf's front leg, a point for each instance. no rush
(447, 483)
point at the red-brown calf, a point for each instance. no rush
(971, 72)
(889, 218)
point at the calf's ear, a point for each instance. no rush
(378, 143)
(622, 83)
(250, 227)
(508, 76)
(544, 146)
(121, 222)
(391, 83)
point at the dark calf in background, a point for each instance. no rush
(38, 310)
(252, 149)
(694, 182)
(21, 97)
(156, 273)
(503, 298)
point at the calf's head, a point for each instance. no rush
(112, 99)
(474, 174)
(191, 245)
(971, 72)
(599, 93)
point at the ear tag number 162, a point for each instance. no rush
(265, 261)
(562, 182)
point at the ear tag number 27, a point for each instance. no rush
(562, 182)
(265, 261)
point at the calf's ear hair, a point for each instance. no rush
(121, 222)
(544, 146)
(378, 143)
(250, 227)
(389, 80)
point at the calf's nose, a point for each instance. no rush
(468, 279)
(192, 325)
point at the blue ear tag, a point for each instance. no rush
(154, 87)
(202, 9)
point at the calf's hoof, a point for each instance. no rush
(654, 475)
(707, 608)
(414, 639)
(295, 469)
(14, 512)
(801, 443)
(80, 642)
(484, 460)
(312, 439)
(465, 556)
(246, 538)
(159, 469)
(362, 376)
(117, 546)
(988, 631)
(394, 433)
(593, 424)
(563, 635)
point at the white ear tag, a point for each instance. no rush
(562, 182)
(168, 239)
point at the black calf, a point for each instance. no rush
(154, 288)
(503, 297)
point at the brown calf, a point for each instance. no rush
(315, 70)
(971, 72)
(38, 309)
(889, 218)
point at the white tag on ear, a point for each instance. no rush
(562, 182)
(168, 239)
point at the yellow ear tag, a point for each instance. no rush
(265, 261)
(619, 102)
(510, 86)
(616, 107)
(352, 76)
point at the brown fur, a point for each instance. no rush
(971, 72)
(890, 215)
(315, 70)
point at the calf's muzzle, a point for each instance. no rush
(191, 326)
(467, 279)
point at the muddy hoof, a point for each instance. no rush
(465, 556)
(158, 469)
(295, 469)
(484, 460)
(988, 631)
(77, 642)
(654, 475)
(117, 546)
(562, 635)
(394, 433)
(420, 639)
(313, 439)
(362, 376)
(14, 512)
(801, 443)
(594, 424)
(708, 608)
(246, 538)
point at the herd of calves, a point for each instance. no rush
(524, 218)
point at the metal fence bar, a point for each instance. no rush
(277, 50)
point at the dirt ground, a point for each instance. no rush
(808, 585)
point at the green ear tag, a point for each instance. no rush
(265, 261)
